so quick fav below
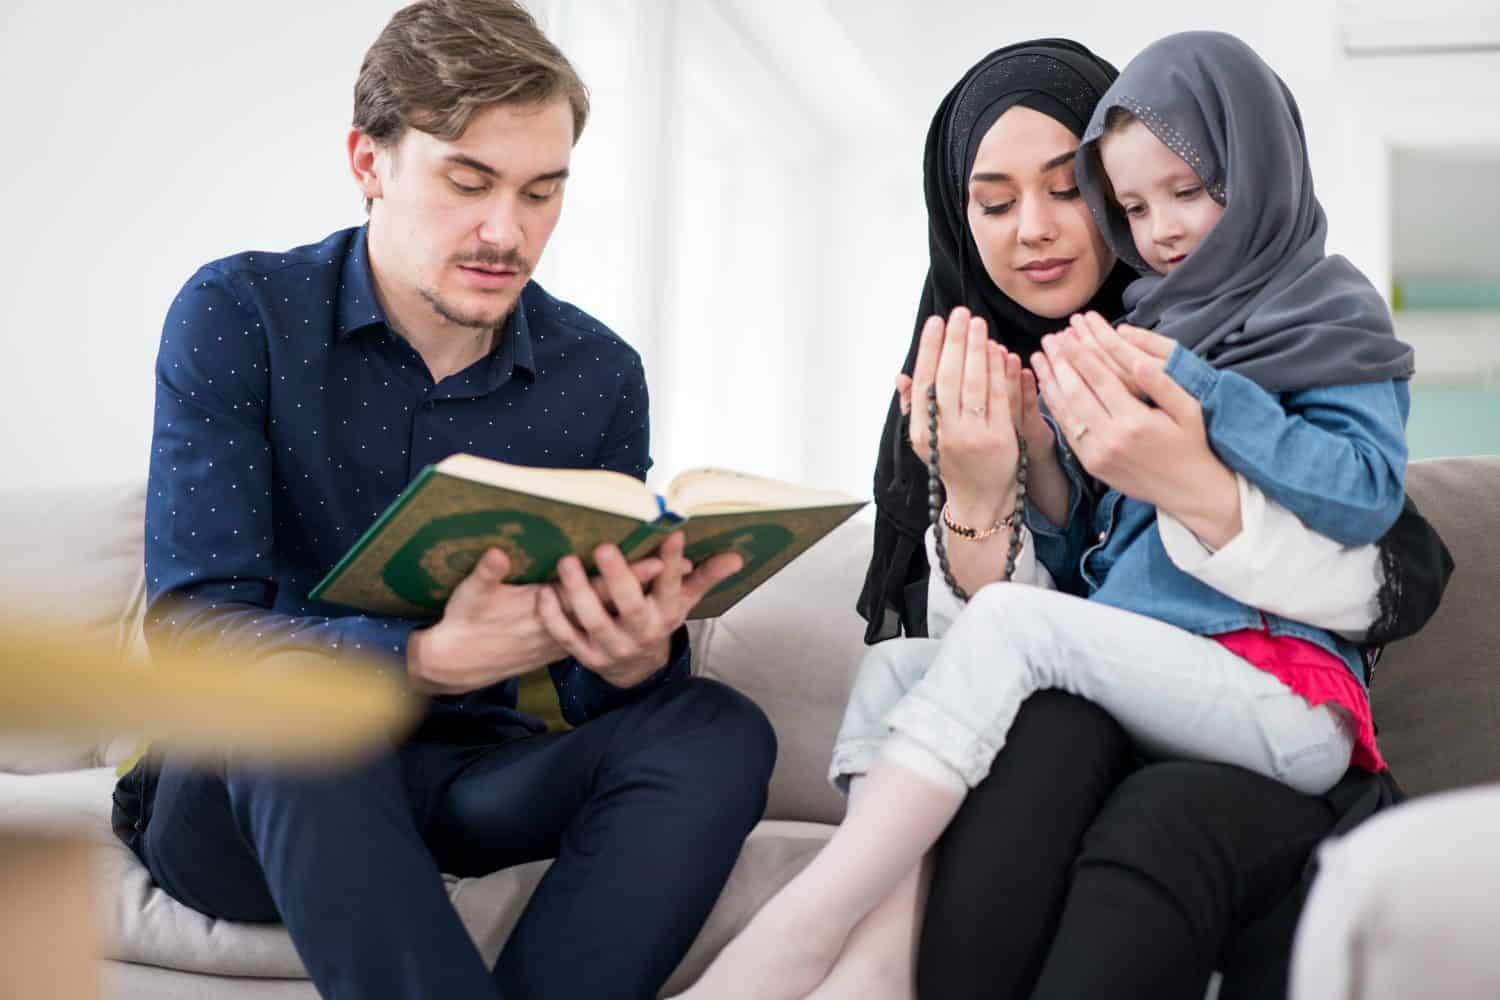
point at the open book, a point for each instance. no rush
(431, 536)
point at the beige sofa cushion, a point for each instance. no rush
(73, 557)
(794, 646)
(147, 927)
(1436, 695)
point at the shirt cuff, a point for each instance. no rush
(1191, 372)
(381, 641)
(1192, 555)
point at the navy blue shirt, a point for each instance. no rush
(289, 415)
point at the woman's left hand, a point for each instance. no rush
(1159, 455)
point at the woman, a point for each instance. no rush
(1024, 279)
(1185, 854)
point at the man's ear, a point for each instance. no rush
(363, 153)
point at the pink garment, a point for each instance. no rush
(1317, 675)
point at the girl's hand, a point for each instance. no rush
(1157, 454)
(981, 399)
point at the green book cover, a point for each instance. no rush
(431, 536)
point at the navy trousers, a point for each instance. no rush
(644, 808)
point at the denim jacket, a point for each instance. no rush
(1335, 457)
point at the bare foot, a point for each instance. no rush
(780, 955)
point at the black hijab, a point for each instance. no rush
(1060, 79)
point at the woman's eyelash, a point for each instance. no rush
(1065, 195)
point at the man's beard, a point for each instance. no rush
(489, 319)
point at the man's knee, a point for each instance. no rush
(737, 725)
(722, 745)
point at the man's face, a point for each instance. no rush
(461, 225)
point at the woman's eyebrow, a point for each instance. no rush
(1051, 164)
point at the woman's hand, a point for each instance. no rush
(1159, 455)
(981, 399)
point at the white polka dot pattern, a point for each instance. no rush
(289, 415)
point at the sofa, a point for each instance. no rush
(74, 556)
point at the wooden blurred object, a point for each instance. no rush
(49, 923)
(295, 707)
(290, 706)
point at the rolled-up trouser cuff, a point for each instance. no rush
(852, 758)
(968, 753)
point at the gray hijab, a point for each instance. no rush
(1258, 295)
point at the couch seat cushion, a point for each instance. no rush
(146, 926)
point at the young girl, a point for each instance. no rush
(1302, 388)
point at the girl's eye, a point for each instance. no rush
(465, 188)
(1067, 195)
(1135, 211)
(1190, 192)
(999, 209)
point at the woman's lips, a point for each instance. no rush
(1045, 272)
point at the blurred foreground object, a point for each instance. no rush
(297, 708)
(291, 706)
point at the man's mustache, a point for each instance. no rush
(511, 260)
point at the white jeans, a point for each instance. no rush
(1407, 905)
(1177, 695)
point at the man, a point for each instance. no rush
(297, 394)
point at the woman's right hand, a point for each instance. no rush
(980, 399)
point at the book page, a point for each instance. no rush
(721, 491)
(614, 492)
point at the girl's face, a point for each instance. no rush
(1169, 211)
(1036, 238)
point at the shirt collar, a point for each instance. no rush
(359, 308)
(512, 351)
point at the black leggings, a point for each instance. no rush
(1069, 873)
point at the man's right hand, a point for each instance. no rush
(490, 631)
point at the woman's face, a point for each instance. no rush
(1036, 238)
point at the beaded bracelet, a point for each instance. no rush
(936, 507)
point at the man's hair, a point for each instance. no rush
(438, 63)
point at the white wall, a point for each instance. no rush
(143, 140)
(746, 207)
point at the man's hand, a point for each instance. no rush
(615, 626)
(490, 631)
(1159, 455)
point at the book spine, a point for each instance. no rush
(636, 542)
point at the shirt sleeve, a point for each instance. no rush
(1060, 548)
(208, 544)
(1334, 456)
(1278, 564)
(943, 607)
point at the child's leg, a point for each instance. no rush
(904, 804)
(879, 960)
(1176, 694)
(888, 671)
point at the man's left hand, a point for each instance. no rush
(615, 626)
